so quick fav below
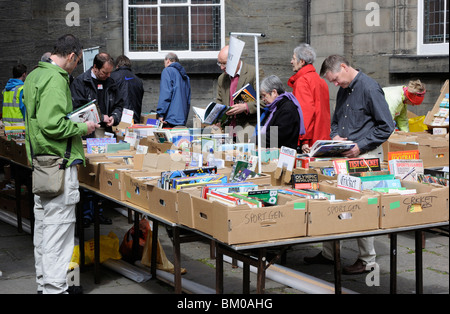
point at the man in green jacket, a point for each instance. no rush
(48, 100)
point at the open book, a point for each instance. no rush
(330, 148)
(211, 114)
(88, 112)
(245, 94)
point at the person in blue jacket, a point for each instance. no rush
(174, 94)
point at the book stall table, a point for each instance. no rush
(155, 219)
(21, 174)
(240, 252)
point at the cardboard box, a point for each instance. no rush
(433, 149)
(430, 115)
(19, 152)
(90, 174)
(242, 224)
(5, 147)
(112, 179)
(328, 217)
(136, 187)
(429, 205)
(163, 203)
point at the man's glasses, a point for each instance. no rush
(222, 64)
(79, 60)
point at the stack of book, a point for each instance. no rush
(170, 179)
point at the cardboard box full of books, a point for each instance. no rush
(433, 149)
(112, 179)
(90, 174)
(242, 224)
(136, 186)
(163, 203)
(428, 205)
(356, 211)
(439, 115)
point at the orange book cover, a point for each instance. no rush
(406, 154)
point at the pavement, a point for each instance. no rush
(17, 273)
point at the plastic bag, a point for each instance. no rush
(109, 248)
(126, 248)
(416, 124)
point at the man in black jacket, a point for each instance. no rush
(96, 83)
(131, 89)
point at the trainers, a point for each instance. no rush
(318, 259)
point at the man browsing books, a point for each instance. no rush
(48, 101)
(362, 116)
(241, 115)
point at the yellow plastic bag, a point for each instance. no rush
(416, 124)
(109, 248)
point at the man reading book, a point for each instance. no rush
(241, 115)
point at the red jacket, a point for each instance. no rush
(312, 93)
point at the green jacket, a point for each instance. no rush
(395, 97)
(48, 100)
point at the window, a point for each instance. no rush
(192, 29)
(433, 27)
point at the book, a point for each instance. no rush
(88, 112)
(407, 170)
(287, 158)
(267, 196)
(229, 188)
(305, 181)
(115, 147)
(363, 165)
(184, 182)
(211, 114)
(405, 154)
(162, 136)
(98, 145)
(245, 95)
(331, 148)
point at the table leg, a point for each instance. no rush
(219, 270)
(154, 248)
(419, 262)
(18, 185)
(393, 264)
(337, 267)
(176, 259)
(261, 276)
(135, 247)
(96, 244)
(246, 278)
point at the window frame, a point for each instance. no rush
(428, 49)
(160, 54)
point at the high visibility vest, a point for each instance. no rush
(11, 106)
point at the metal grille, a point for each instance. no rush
(436, 21)
(203, 27)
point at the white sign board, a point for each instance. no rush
(234, 55)
(88, 57)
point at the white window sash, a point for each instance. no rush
(428, 49)
(160, 54)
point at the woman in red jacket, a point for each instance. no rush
(312, 93)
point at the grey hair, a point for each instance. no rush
(172, 57)
(306, 53)
(270, 83)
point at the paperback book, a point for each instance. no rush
(88, 112)
(331, 148)
(363, 165)
(229, 188)
(98, 145)
(245, 95)
(305, 181)
(211, 114)
(407, 170)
